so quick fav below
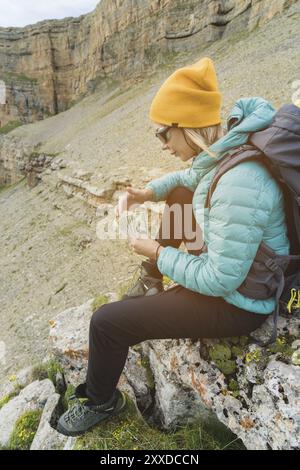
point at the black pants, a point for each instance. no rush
(175, 313)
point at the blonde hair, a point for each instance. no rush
(204, 137)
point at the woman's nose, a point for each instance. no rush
(165, 147)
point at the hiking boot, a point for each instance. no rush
(148, 283)
(83, 414)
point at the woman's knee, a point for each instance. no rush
(180, 195)
(101, 315)
(107, 321)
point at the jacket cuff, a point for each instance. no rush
(165, 260)
(158, 195)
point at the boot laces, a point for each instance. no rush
(138, 266)
(133, 272)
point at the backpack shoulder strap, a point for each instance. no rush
(231, 159)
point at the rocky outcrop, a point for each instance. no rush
(14, 155)
(19, 159)
(253, 390)
(49, 65)
(46, 437)
(20, 395)
(80, 186)
(33, 397)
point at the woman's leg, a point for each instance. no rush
(175, 313)
(178, 222)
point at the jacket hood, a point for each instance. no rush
(248, 115)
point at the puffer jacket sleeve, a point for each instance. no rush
(240, 209)
(163, 186)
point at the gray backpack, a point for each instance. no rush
(278, 147)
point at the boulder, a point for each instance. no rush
(14, 383)
(46, 437)
(253, 390)
(33, 397)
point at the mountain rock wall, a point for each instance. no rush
(47, 66)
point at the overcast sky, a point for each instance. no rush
(24, 12)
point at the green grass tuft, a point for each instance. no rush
(10, 126)
(98, 301)
(65, 399)
(129, 431)
(24, 430)
(48, 370)
(5, 400)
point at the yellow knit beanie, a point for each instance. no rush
(189, 97)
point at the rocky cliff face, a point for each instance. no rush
(49, 65)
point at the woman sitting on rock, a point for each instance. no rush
(247, 207)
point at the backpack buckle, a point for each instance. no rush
(271, 264)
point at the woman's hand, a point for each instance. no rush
(131, 197)
(145, 246)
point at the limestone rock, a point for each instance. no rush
(13, 383)
(63, 60)
(179, 396)
(14, 156)
(290, 326)
(46, 437)
(137, 375)
(255, 394)
(33, 397)
(69, 339)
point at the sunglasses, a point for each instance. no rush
(163, 134)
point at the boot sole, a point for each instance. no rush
(115, 412)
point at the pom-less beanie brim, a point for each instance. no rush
(190, 97)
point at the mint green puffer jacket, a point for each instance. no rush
(247, 207)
